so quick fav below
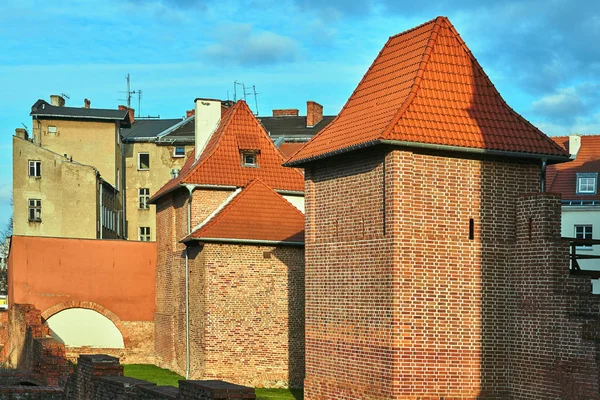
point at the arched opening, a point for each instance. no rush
(83, 327)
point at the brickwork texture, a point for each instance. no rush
(246, 302)
(431, 276)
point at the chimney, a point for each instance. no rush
(86, 103)
(208, 118)
(574, 144)
(314, 113)
(130, 110)
(189, 113)
(288, 112)
(21, 133)
(57, 100)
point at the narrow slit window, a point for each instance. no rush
(471, 229)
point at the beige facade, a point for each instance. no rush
(141, 180)
(88, 142)
(55, 196)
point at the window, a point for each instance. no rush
(144, 233)
(35, 210)
(179, 151)
(143, 161)
(35, 168)
(586, 183)
(52, 130)
(249, 159)
(143, 197)
(583, 232)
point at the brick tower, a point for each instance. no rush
(419, 279)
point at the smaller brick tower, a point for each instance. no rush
(230, 264)
(428, 274)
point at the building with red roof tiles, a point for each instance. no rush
(230, 265)
(577, 182)
(434, 267)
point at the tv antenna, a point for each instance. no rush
(66, 96)
(130, 92)
(245, 93)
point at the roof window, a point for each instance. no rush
(587, 183)
(249, 159)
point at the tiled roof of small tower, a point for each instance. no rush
(562, 178)
(257, 213)
(220, 162)
(425, 86)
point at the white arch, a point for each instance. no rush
(79, 327)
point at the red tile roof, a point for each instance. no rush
(562, 178)
(288, 149)
(220, 162)
(425, 86)
(257, 213)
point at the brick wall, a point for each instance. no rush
(31, 350)
(169, 323)
(247, 314)
(549, 355)
(400, 302)
(204, 202)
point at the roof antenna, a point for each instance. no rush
(245, 93)
(129, 92)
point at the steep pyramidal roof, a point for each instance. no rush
(426, 87)
(257, 214)
(221, 161)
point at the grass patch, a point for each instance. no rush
(165, 377)
(152, 373)
(279, 394)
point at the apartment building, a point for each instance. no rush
(67, 175)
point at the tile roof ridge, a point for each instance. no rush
(431, 42)
(493, 88)
(225, 120)
(324, 130)
(436, 20)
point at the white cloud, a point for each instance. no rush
(240, 44)
(564, 104)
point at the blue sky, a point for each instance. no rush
(543, 56)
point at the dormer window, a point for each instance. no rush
(587, 183)
(249, 159)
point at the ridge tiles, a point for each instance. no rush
(425, 86)
(256, 213)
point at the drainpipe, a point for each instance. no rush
(123, 187)
(101, 213)
(190, 189)
(543, 174)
